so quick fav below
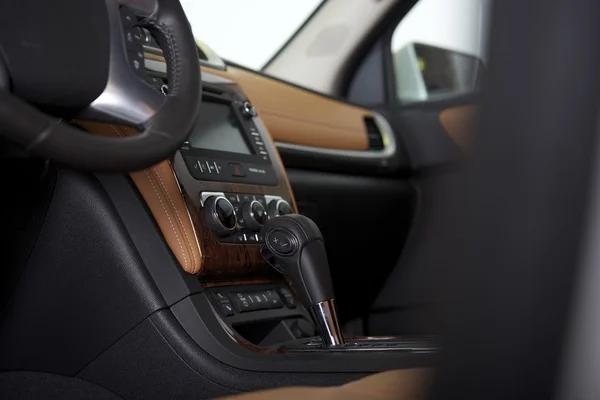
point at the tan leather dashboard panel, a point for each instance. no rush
(459, 124)
(297, 116)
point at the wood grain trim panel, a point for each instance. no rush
(298, 116)
(159, 188)
(459, 124)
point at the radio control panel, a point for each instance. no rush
(238, 217)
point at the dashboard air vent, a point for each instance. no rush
(373, 134)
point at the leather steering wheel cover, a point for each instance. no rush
(163, 133)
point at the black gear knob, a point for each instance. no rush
(294, 246)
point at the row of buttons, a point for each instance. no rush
(255, 301)
(134, 40)
(238, 199)
(208, 167)
(245, 238)
(260, 145)
(238, 301)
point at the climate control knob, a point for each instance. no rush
(248, 110)
(220, 216)
(254, 215)
(279, 207)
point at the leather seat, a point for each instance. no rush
(405, 384)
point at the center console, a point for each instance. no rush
(266, 289)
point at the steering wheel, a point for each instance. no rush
(75, 58)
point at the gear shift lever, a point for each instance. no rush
(294, 246)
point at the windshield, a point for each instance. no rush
(248, 33)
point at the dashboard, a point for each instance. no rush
(212, 197)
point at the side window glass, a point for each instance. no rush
(438, 49)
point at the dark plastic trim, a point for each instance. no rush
(174, 283)
(197, 318)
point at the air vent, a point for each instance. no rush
(373, 134)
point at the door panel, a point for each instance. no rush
(437, 136)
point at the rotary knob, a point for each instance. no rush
(279, 207)
(248, 110)
(254, 214)
(220, 216)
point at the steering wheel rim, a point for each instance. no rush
(161, 134)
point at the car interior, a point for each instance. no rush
(368, 215)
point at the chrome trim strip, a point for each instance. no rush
(387, 134)
(325, 317)
(205, 195)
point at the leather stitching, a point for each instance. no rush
(183, 252)
(173, 50)
(187, 238)
(170, 221)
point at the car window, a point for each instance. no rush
(438, 49)
(248, 33)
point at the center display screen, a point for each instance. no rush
(217, 128)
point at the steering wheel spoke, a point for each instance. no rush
(127, 98)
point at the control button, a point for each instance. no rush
(220, 216)
(133, 36)
(217, 168)
(288, 297)
(254, 215)
(233, 198)
(248, 110)
(209, 167)
(236, 170)
(284, 208)
(273, 299)
(259, 302)
(254, 133)
(128, 18)
(198, 166)
(136, 60)
(252, 238)
(282, 242)
(241, 302)
(226, 309)
(240, 238)
(225, 213)
(280, 207)
(220, 296)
